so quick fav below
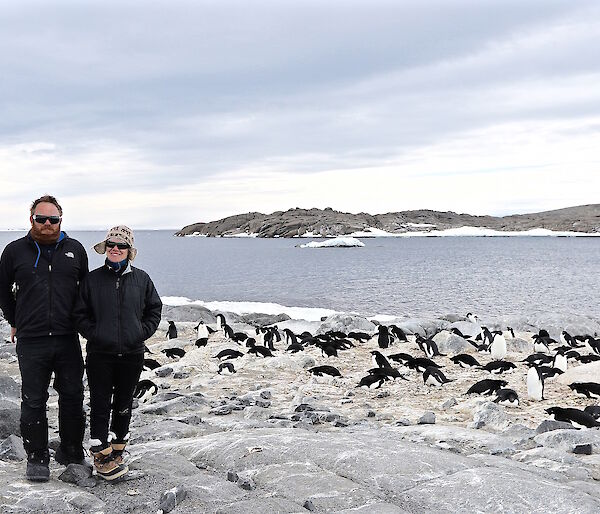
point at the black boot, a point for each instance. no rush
(35, 442)
(70, 450)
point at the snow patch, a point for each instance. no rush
(340, 242)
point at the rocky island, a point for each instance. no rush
(584, 219)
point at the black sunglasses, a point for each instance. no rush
(120, 246)
(38, 218)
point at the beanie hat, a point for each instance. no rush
(121, 233)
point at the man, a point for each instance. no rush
(39, 283)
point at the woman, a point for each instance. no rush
(118, 309)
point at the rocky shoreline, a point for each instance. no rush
(330, 223)
(273, 437)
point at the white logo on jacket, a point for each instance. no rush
(70, 254)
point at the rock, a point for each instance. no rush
(193, 313)
(223, 410)
(451, 344)
(246, 483)
(345, 322)
(266, 394)
(584, 373)
(403, 422)
(171, 498)
(370, 414)
(263, 403)
(518, 345)
(181, 374)
(79, 475)
(549, 424)
(9, 388)
(306, 361)
(163, 371)
(263, 320)
(449, 403)
(10, 415)
(12, 449)
(466, 328)
(309, 505)
(583, 449)
(566, 440)
(232, 476)
(489, 414)
(427, 419)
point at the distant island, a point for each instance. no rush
(583, 219)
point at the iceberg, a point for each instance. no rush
(339, 242)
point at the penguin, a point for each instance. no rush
(587, 389)
(507, 397)
(593, 344)
(560, 361)
(457, 332)
(402, 358)
(511, 332)
(325, 370)
(498, 367)
(568, 339)
(383, 338)
(593, 410)
(465, 361)
(379, 360)
(260, 350)
(172, 331)
(578, 418)
(226, 368)
(290, 337)
(250, 342)
(372, 381)
(144, 390)
(472, 318)
(398, 333)
(362, 337)
(295, 348)
(150, 364)
(434, 377)
(420, 364)
(535, 384)
(147, 350)
(220, 321)
(429, 347)
(203, 341)
(239, 337)
(228, 331)
(268, 340)
(329, 350)
(549, 372)
(201, 330)
(540, 345)
(498, 346)
(228, 354)
(389, 372)
(586, 359)
(487, 386)
(173, 352)
(537, 359)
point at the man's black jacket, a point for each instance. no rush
(42, 302)
(116, 313)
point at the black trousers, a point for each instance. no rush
(39, 357)
(112, 379)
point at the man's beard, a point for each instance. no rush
(43, 235)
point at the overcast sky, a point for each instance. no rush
(165, 113)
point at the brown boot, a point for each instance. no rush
(105, 464)
(118, 450)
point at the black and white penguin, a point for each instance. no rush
(560, 361)
(428, 346)
(510, 333)
(290, 337)
(457, 332)
(578, 418)
(228, 354)
(586, 359)
(372, 381)
(144, 390)
(535, 384)
(593, 344)
(435, 377)
(329, 350)
(294, 348)
(150, 364)
(220, 321)
(507, 397)
(172, 331)
(325, 370)
(228, 331)
(389, 372)
(548, 372)
(498, 346)
(587, 389)
(173, 352)
(260, 350)
(537, 359)
(472, 318)
(398, 333)
(362, 337)
(498, 367)
(420, 364)
(383, 338)
(203, 341)
(402, 358)
(465, 360)
(487, 386)
(250, 342)
(379, 360)
(201, 330)
(226, 368)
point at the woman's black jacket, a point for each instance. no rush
(116, 313)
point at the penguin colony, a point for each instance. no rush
(420, 361)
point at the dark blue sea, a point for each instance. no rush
(393, 276)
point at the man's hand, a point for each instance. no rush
(13, 331)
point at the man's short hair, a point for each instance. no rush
(46, 199)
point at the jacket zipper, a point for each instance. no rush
(119, 317)
(50, 298)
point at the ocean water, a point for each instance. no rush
(388, 276)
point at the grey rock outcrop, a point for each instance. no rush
(345, 322)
